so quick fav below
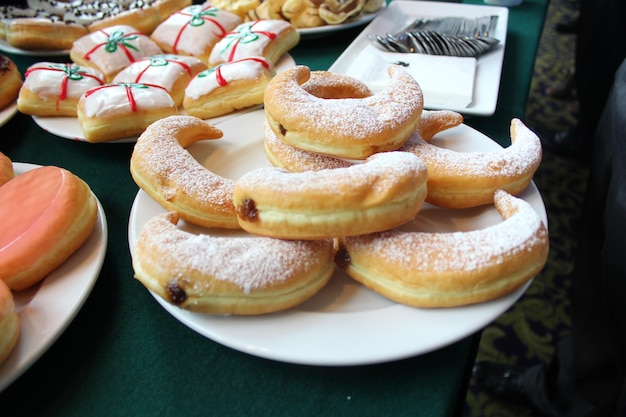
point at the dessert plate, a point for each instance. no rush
(46, 309)
(69, 128)
(345, 323)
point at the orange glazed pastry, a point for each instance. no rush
(46, 214)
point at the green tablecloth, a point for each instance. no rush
(124, 355)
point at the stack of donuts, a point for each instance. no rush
(200, 60)
(350, 169)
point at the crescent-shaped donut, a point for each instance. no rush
(469, 179)
(451, 269)
(352, 128)
(297, 160)
(385, 191)
(241, 275)
(166, 171)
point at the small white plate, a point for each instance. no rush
(7, 113)
(345, 323)
(5, 47)
(314, 32)
(69, 128)
(400, 13)
(46, 309)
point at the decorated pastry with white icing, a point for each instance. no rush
(112, 49)
(172, 72)
(267, 38)
(53, 89)
(228, 87)
(122, 110)
(194, 30)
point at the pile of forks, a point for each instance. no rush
(450, 36)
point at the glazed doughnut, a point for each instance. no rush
(297, 160)
(348, 128)
(46, 215)
(167, 7)
(228, 87)
(172, 72)
(122, 110)
(270, 39)
(461, 180)
(229, 275)
(194, 30)
(385, 191)
(6, 169)
(238, 7)
(43, 34)
(451, 269)
(162, 167)
(335, 12)
(9, 322)
(112, 49)
(10, 81)
(302, 13)
(53, 89)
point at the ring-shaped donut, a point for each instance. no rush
(167, 172)
(451, 269)
(385, 191)
(352, 128)
(229, 275)
(469, 179)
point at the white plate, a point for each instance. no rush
(46, 309)
(5, 47)
(400, 13)
(7, 113)
(314, 32)
(69, 128)
(345, 323)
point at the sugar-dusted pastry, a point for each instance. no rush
(10, 81)
(172, 72)
(122, 110)
(270, 39)
(46, 214)
(228, 87)
(53, 89)
(112, 49)
(194, 30)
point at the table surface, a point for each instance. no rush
(124, 355)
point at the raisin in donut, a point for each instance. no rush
(229, 275)
(45, 216)
(451, 269)
(166, 171)
(469, 179)
(228, 87)
(385, 191)
(53, 89)
(352, 128)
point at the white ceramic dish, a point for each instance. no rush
(5, 47)
(400, 13)
(344, 324)
(7, 113)
(331, 29)
(69, 128)
(46, 309)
